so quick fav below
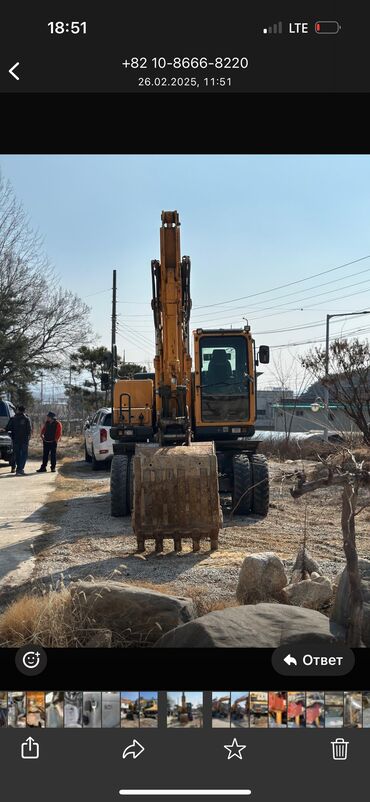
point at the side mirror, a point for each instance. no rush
(264, 354)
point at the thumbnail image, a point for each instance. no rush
(258, 709)
(3, 708)
(366, 709)
(353, 709)
(334, 703)
(239, 711)
(54, 709)
(35, 709)
(73, 709)
(277, 708)
(185, 709)
(148, 709)
(315, 710)
(221, 708)
(17, 709)
(91, 715)
(130, 709)
(296, 709)
(111, 714)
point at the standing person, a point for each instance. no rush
(51, 433)
(20, 429)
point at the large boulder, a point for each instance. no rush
(134, 614)
(257, 625)
(262, 578)
(314, 593)
(340, 612)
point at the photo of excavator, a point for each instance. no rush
(182, 434)
(221, 701)
(239, 711)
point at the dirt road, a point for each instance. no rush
(21, 520)
(66, 517)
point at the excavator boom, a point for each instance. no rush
(175, 481)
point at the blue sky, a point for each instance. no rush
(249, 224)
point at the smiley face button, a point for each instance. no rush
(31, 660)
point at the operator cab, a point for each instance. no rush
(224, 378)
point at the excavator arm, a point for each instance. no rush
(175, 480)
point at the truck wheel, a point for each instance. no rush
(118, 486)
(242, 494)
(260, 475)
(96, 465)
(87, 455)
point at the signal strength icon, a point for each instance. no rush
(277, 27)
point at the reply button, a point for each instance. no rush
(313, 660)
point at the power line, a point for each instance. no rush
(289, 284)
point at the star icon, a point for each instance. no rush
(234, 750)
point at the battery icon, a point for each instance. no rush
(327, 26)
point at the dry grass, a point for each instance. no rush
(282, 450)
(55, 619)
(67, 447)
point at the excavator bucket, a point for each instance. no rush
(176, 495)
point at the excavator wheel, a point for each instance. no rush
(242, 493)
(260, 474)
(130, 485)
(119, 486)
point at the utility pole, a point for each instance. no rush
(114, 347)
(69, 398)
(326, 388)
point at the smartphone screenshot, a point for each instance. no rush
(184, 401)
(184, 475)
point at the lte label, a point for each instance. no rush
(298, 27)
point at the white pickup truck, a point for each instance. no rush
(7, 410)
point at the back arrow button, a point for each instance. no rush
(12, 73)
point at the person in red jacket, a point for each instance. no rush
(51, 433)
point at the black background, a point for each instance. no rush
(165, 669)
(120, 30)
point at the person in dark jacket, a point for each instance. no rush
(20, 429)
(51, 433)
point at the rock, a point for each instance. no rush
(309, 593)
(134, 614)
(102, 640)
(254, 625)
(315, 575)
(297, 576)
(310, 565)
(262, 578)
(340, 612)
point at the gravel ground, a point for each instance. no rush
(81, 539)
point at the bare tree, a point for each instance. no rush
(291, 388)
(351, 475)
(348, 380)
(40, 322)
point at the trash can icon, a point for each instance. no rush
(340, 749)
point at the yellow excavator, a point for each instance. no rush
(182, 436)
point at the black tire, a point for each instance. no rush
(130, 486)
(119, 475)
(242, 493)
(260, 473)
(95, 464)
(87, 456)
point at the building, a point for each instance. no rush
(299, 416)
(265, 406)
